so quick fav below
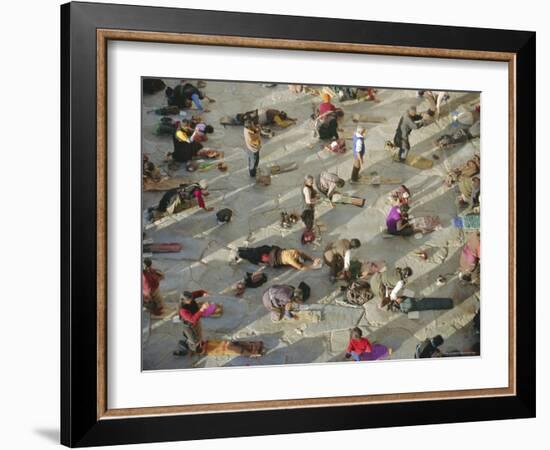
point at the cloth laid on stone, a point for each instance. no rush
(377, 180)
(164, 185)
(378, 351)
(367, 118)
(419, 162)
(252, 349)
(164, 247)
(348, 200)
(409, 304)
(425, 224)
(469, 222)
(304, 316)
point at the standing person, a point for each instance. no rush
(190, 314)
(408, 122)
(358, 152)
(309, 193)
(253, 142)
(387, 285)
(327, 183)
(281, 299)
(150, 283)
(337, 256)
(358, 345)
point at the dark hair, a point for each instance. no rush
(406, 271)
(209, 129)
(187, 295)
(248, 123)
(283, 115)
(147, 262)
(306, 290)
(355, 243)
(356, 333)
(437, 340)
(341, 182)
(201, 94)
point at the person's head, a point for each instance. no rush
(476, 180)
(355, 243)
(298, 295)
(208, 129)
(147, 263)
(412, 111)
(437, 340)
(203, 184)
(201, 94)
(340, 183)
(149, 166)
(326, 97)
(361, 130)
(249, 124)
(406, 272)
(404, 210)
(283, 115)
(200, 127)
(306, 290)
(308, 180)
(186, 297)
(356, 333)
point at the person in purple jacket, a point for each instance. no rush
(397, 223)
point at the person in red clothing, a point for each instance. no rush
(326, 106)
(358, 345)
(150, 282)
(190, 314)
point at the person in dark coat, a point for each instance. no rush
(408, 122)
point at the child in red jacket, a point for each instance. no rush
(358, 345)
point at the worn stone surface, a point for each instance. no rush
(207, 260)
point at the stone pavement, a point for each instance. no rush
(206, 261)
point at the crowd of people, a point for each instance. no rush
(360, 282)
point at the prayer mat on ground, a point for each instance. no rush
(419, 162)
(425, 304)
(304, 316)
(379, 351)
(164, 247)
(426, 224)
(377, 180)
(367, 118)
(470, 222)
(252, 349)
(348, 200)
(164, 185)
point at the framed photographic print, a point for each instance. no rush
(274, 224)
